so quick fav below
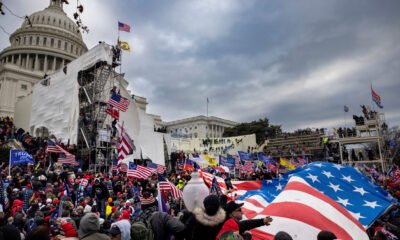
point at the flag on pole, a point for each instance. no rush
(113, 112)
(126, 143)
(124, 27)
(20, 157)
(245, 156)
(160, 169)
(124, 45)
(215, 189)
(119, 102)
(139, 172)
(346, 108)
(376, 98)
(168, 187)
(64, 156)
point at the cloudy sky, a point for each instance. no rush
(295, 62)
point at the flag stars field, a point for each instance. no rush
(348, 178)
(313, 178)
(371, 204)
(327, 174)
(335, 187)
(360, 190)
(344, 202)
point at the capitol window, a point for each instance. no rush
(44, 41)
(24, 87)
(52, 42)
(65, 46)
(37, 40)
(59, 44)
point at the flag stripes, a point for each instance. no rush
(303, 212)
(119, 102)
(167, 186)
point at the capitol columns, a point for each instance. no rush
(36, 67)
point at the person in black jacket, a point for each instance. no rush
(203, 223)
(234, 220)
(101, 193)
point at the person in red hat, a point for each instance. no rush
(235, 222)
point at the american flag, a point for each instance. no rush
(137, 171)
(303, 212)
(126, 144)
(337, 197)
(114, 167)
(122, 167)
(247, 167)
(124, 27)
(64, 156)
(168, 187)
(113, 112)
(160, 169)
(215, 189)
(119, 102)
(376, 98)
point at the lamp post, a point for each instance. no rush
(194, 192)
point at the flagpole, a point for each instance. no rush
(9, 164)
(207, 108)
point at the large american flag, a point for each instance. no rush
(314, 197)
(119, 102)
(160, 169)
(168, 187)
(126, 143)
(137, 171)
(64, 156)
(303, 212)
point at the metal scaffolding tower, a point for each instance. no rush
(95, 145)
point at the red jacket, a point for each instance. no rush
(69, 230)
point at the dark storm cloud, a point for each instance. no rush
(295, 62)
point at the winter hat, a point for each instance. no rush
(232, 206)
(211, 204)
(87, 209)
(125, 215)
(89, 224)
(282, 236)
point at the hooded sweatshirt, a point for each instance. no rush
(125, 228)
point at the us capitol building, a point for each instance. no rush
(44, 43)
(48, 41)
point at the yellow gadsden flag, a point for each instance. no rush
(211, 161)
(283, 162)
(124, 46)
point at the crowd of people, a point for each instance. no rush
(37, 202)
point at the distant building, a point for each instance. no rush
(46, 41)
(198, 127)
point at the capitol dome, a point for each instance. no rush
(45, 42)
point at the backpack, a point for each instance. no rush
(142, 230)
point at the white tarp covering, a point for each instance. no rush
(56, 106)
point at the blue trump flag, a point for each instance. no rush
(361, 196)
(228, 161)
(245, 156)
(20, 157)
